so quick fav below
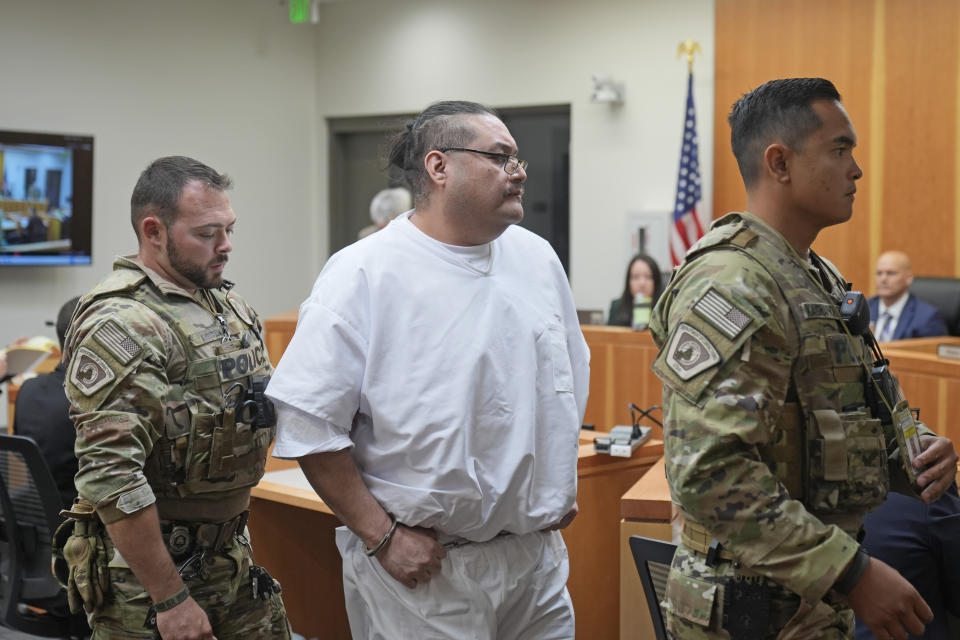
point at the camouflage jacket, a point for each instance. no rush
(755, 380)
(156, 382)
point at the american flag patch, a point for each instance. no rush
(117, 341)
(725, 317)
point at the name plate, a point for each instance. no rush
(951, 351)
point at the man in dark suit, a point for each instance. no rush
(42, 413)
(895, 313)
(922, 542)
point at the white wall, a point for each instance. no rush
(229, 82)
(389, 56)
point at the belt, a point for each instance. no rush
(699, 539)
(183, 538)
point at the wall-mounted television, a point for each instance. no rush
(46, 198)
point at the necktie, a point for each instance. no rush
(886, 331)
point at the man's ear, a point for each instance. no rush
(435, 163)
(152, 231)
(776, 162)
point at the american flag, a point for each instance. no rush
(686, 227)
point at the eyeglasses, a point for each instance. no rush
(511, 164)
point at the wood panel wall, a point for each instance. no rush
(895, 62)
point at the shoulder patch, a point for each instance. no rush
(690, 352)
(723, 315)
(117, 341)
(89, 372)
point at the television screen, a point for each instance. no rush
(46, 198)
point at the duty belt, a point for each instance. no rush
(699, 539)
(183, 538)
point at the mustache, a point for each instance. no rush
(220, 260)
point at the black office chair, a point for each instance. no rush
(653, 558)
(942, 293)
(31, 600)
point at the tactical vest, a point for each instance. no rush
(205, 451)
(829, 451)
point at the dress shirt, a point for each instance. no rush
(888, 317)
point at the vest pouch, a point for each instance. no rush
(847, 463)
(204, 378)
(222, 446)
(197, 461)
(250, 454)
(238, 452)
(694, 601)
(223, 454)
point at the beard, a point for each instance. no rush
(195, 273)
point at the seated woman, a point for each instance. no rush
(643, 276)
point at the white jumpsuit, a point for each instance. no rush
(460, 377)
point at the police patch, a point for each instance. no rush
(90, 373)
(690, 352)
(117, 341)
(725, 317)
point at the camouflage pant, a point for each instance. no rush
(695, 601)
(226, 595)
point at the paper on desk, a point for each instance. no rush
(22, 358)
(293, 477)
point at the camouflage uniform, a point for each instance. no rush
(157, 380)
(771, 452)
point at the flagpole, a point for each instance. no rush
(686, 228)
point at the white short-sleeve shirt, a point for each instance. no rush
(460, 383)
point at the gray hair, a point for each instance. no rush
(389, 203)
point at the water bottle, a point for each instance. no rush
(641, 312)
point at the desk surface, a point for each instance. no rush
(649, 497)
(289, 486)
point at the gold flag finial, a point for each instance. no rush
(689, 48)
